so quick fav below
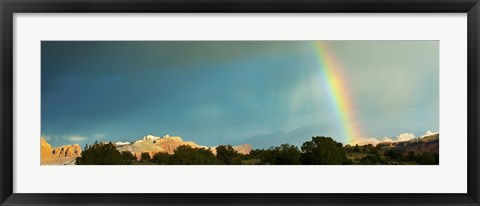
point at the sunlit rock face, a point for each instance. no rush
(45, 150)
(63, 155)
(167, 144)
(67, 151)
(153, 144)
(243, 149)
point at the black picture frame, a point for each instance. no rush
(9, 7)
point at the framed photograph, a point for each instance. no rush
(264, 102)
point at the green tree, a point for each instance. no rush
(129, 156)
(374, 150)
(371, 159)
(356, 149)
(145, 157)
(186, 155)
(101, 154)
(412, 156)
(286, 154)
(393, 154)
(227, 155)
(427, 158)
(162, 158)
(261, 156)
(323, 151)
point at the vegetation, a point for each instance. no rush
(285, 154)
(145, 157)
(102, 154)
(128, 156)
(186, 155)
(162, 158)
(226, 155)
(318, 151)
(323, 151)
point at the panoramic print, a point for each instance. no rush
(239, 103)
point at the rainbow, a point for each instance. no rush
(338, 91)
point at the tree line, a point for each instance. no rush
(318, 151)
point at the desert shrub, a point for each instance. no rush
(129, 156)
(392, 153)
(162, 158)
(186, 155)
(286, 154)
(371, 159)
(227, 155)
(101, 154)
(145, 157)
(323, 151)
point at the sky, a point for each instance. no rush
(230, 92)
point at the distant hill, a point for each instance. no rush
(422, 144)
(423, 150)
(399, 138)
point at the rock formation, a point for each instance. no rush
(152, 145)
(243, 148)
(167, 144)
(63, 155)
(420, 145)
(45, 150)
(404, 137)
(67, 151)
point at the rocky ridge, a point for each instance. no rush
(404, 137)
(63, 155)
(166, 144)
(426, 143)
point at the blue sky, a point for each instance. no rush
(231, 92)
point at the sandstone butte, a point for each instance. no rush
(63, 155)
(167, 144)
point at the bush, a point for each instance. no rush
(145, 157)
(286, 154)
(393, 154)
(356, 149)
(101, 154)
(129, 156)
(186, 155)
(162, 158)
(323, 151)
(227, 155)
(426, 158)
(371, 159)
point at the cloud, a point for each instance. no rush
(76, 138)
